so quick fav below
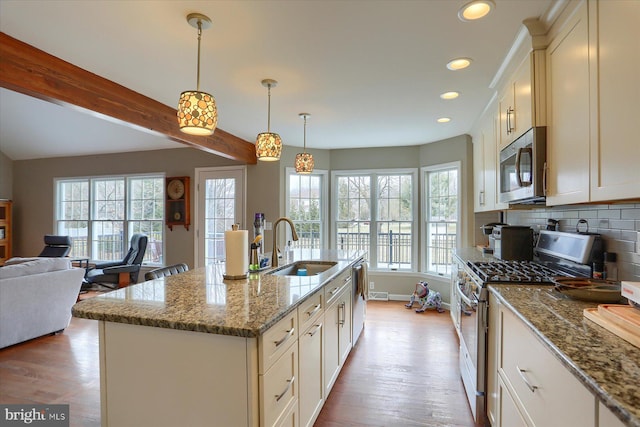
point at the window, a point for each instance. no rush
(442, 195)
(102, 213)
(306, 207)
(375, 211)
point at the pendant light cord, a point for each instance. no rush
(199, 37)
(305, 134)
(269, 109)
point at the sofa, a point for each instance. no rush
(36, 296)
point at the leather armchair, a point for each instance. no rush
(120, 273)
(56, 246)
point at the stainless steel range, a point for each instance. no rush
(556, 254)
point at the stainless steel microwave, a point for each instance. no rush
(522, 168)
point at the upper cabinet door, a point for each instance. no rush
(568, 132)
(614, 34)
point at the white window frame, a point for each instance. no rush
(424, 171)
(217, 172)
(324, 199)
(126, 220)
(374, 174)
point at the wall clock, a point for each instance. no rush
(175, 189)
(177, 201)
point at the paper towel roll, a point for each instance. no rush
(236, 244)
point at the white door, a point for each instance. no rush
(220, 194)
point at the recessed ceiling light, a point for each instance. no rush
(475, 10)
(450, 95)
(443, 120)
(459, 63)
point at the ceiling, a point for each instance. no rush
(369, 72)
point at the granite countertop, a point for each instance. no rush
(606, 364)
(202, 300)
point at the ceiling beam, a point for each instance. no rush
(31, 71)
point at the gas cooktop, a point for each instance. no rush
(513, 271)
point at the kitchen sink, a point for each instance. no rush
(312, 267)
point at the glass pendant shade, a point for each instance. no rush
(197, 113)
(304, 160)
(304, 163)
(268, 146)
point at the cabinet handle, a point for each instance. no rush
(286, 337)
(544, 179)
(509, 127)
(316, 308)
(334, 290)
(343, 307)
(315, 331)
(281, 395)
(533, 388)
(481, 198)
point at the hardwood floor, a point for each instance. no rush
(403, 372)
(54, 369)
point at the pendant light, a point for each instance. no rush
(268, 144)
(197, 111)
(304, 160)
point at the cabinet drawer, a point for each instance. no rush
(333, 289)
(549, 394)
(279, 388)
(309, 310)
(277, 340)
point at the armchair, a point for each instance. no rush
(120, 273)
(56, 246)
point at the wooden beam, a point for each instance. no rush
(31, 71)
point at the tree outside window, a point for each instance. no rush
(375, 213)
(306, 207)
(102, 213)
(442, 218)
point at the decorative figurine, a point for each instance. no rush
(427, 298)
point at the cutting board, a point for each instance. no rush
(625, 316)
(593, 315)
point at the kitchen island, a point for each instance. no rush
(607, 368)
(196, 349)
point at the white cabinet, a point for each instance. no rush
(606, 418)
(521, 101)
(568, 130)
(276, 340)
(279, 389)
(337, 321)
(593, 63)
(278, 369)
(537, 382)
(493, 394)
(310, 366)
(485, 162)
(508, 414)
(614, 38)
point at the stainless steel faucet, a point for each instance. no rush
(294, 236)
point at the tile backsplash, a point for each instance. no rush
(619, 225)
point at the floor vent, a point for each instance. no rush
(379, 296)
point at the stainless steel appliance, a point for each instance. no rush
(557, 254)
(512, 242)
(522, 168)
(359, 278)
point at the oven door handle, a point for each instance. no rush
(465, 298)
